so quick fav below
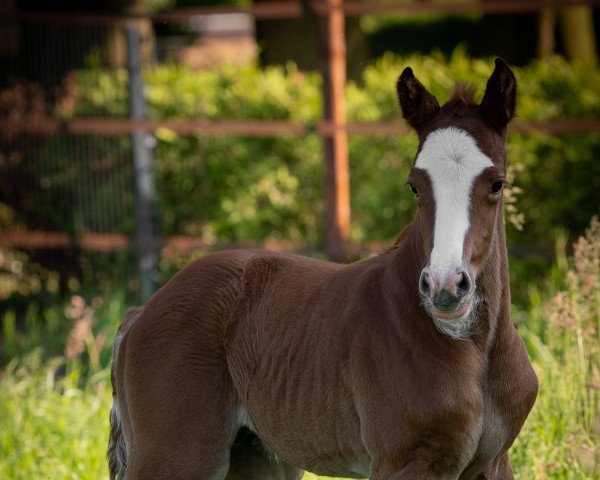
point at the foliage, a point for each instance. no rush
(55, 392)
(562, 331)
(562, 434)
(19, 276)
(88, 326)
(53, 413)
(232, 188)
(228, 188)
(52, 420)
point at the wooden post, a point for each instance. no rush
(145, 239)
(578, 33)
(546, 26)
(337, 180)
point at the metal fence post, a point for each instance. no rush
(332, 48)
(146, 243)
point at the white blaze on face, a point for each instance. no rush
(452, 160)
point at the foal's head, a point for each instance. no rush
(457, 177)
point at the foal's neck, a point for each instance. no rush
(493, 289)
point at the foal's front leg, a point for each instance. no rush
(504, 471)
(422, 470)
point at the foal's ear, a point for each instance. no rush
(418, 105)
(499, 100)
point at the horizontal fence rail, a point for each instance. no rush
(114, 242)
(275, 10)
(257, 128)
(186, 244)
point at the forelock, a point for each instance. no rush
(464, 94)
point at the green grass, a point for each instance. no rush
(54, 411)
(561, 439)
(58, 428)
(52, 428)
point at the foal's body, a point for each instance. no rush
(375, 392)
(336, 369)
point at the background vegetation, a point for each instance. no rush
(258, 188)
(224, 189)
(58, 328)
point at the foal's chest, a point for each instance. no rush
(472, 443)
(501, 418)
(448, 419)
(490, 436)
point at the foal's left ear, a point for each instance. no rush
(500, 98)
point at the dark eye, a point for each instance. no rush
(414, 190)
(496, 187)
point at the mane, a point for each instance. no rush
(400, 238)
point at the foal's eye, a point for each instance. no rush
(496, 187)
(414, 190)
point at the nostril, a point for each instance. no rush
(464, 284)
(424, 284)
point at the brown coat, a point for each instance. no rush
(336, 369)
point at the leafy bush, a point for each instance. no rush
(259, 189)
(234, 187)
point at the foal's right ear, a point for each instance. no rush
(418, 105)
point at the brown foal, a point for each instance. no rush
(256, 365)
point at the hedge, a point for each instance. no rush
(229, 188)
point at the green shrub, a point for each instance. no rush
(229, 188)
(232, 188)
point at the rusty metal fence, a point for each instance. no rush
(115, 153)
